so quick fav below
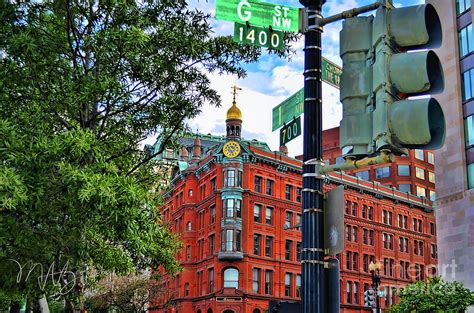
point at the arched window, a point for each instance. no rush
(229, 311)
(189, 226)
(209, 310)
(231, 278)
(198, 311)
(256, 311)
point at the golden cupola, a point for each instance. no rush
(234, 112)
(234, 118)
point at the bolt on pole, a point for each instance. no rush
(312, 261)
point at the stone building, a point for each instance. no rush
(455, 161)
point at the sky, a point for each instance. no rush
(271, 80)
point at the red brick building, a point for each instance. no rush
(230, 202)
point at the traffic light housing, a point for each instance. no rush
(355, 50)
(369, 298)
(396, 72)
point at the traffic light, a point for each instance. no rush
(369, 298)
(396, 72)
(400, 123)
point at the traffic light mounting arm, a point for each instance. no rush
(321, 21)
(351, 164)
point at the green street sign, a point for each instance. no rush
(294, 105)
(255, 12)
(258, 36)
(290, 131)
(331, 73)
(288, 109)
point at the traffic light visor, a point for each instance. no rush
(417, 73)
(417, 124)
(415, 27)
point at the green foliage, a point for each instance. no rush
(128, 294)
(436, 295)
(55, 307)
(83, 83)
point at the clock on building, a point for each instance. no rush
(231, 149)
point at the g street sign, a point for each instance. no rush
(276, 16)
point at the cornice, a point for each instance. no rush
(379, 194)
(280, 166)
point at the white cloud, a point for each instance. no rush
(255, 106)
(334, 7)
(286, 79)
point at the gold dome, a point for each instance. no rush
(234, 112)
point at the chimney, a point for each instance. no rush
(184, 154)
(197, 149)
(284, 150)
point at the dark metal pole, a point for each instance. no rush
(375, 286)
(312, 261)
(332, 287)
(377, 298)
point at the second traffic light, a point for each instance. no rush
(369, 298)
(377, 113)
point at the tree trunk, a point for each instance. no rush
(68, 308)
(43, 304)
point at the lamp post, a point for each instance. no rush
(374, 269)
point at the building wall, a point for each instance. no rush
(455, 199)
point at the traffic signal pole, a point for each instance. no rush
(312, 258)
(428, 118)
(314, 297)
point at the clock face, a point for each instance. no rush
(231, 149)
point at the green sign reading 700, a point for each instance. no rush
(257, 13)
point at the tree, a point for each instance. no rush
(129, 294)
(83, 83)
(436, 295)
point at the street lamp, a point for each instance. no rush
(374, 269)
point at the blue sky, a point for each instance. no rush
(271, 80)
